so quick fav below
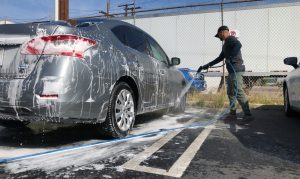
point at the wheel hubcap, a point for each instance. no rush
(124, 110)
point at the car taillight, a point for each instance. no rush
(66, 45)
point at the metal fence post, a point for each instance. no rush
(223, 68)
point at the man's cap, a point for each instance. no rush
(222, 28)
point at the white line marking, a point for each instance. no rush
(179, 166)
(134, 163)
(185, 159)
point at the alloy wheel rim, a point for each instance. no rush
(124, 110)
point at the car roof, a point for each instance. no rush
(109, 23)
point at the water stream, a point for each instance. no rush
(184, 91)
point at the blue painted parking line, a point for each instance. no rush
(193, 125)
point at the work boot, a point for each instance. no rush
(247, 118)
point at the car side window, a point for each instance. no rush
(120, 33)
(133, 38)
(157, 52)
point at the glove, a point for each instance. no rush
(204, 67)
(199, 69)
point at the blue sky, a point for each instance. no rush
(31, 10)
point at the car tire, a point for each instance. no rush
(287, 107)
(121, 112)
(14, 124)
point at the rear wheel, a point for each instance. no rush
(121, 112)
(287, 107)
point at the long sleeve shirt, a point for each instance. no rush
(231, 51)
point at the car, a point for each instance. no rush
(291, 88)
(96, 70)
(199, 83)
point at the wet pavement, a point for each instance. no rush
(189, 145)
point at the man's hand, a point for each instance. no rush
(204, 67)
(199, 69)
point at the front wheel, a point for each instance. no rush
(121, 112)
(287, 107)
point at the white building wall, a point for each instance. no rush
(268, 35)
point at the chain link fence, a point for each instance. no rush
(267, 29)
(268, 33)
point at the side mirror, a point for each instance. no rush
(293, 61)
(175, 61)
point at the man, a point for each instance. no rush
(231, 51)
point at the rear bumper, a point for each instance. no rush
(58, 89)
(24, 114)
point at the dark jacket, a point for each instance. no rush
(231, 51)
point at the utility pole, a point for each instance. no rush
(133, 12)
(56, 16)
(107, 8)
(61, 10)
(107, 13)
(128, 7)
(125, 8)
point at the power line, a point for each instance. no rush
(187, 6)
(85, 10)
(157, 1)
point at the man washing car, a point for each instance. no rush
(231, 51)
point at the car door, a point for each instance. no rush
(139, 52)
(294, 89)
(162, 64)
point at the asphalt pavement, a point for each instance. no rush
(189, 145)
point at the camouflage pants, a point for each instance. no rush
(235, 92)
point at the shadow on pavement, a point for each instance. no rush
(42, 134)
(39, 137)
(271, 133)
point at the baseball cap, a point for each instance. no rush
(222, 28)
